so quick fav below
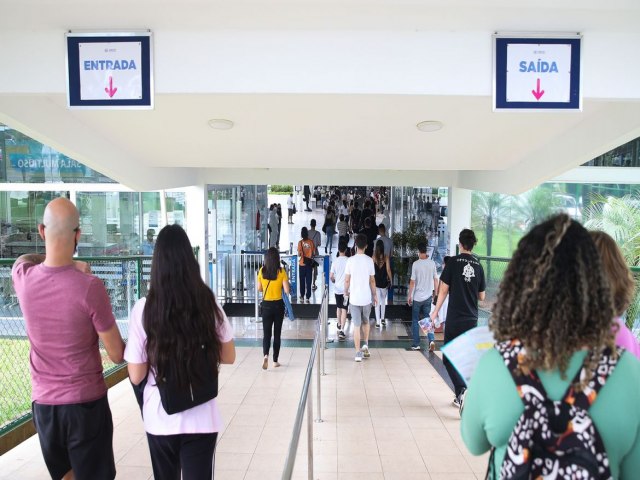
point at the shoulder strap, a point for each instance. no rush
(265, 290)
(585, 398)
(512, 353)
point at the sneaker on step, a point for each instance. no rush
(341, 335)
(365, 351)
(378, 324)
(358, 356)
(415, 347)
(384, 322)
(432, 346)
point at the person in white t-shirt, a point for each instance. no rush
(360, 287)
(337, 274)
(290, 208)
(423, 284)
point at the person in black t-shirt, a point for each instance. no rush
(356, 215)
(463, 280)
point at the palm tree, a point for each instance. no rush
(536, 205)
(486, 214)
(620, 218)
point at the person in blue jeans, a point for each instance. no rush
(330, 229)
(306, 248)
(424, 282)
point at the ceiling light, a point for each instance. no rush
(221, 124)
(430, 126)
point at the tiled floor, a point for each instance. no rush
(389, 417)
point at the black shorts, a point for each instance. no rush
(340, 301)
(76, 437)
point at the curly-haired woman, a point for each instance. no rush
(554, 311)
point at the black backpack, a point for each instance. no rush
(554, 440)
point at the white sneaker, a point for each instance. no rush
(432, 346)
(365, 351)
(378, 324)
(358, 356)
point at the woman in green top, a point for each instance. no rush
(555, 299)
(272, 280)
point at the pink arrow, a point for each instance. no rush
(537, 92)
(112, 91)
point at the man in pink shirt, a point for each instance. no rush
(66, 311)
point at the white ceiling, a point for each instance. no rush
(328, 89)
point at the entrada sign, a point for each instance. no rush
(110, 70)
(537, 72)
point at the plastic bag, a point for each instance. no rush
(426, 325)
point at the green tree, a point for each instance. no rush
(485, 214)
(536, 205)
(620, 218)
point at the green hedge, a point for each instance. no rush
(281, 188)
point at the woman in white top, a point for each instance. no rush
(336, 274)
(177, 326)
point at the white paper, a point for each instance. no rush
(465, 351)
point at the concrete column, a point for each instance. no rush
(197, 224)
(458, 215)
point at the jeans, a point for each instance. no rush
(330, 233)
(305, 273)
(272, 318)
(419, 310)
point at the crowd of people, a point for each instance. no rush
(561, 345)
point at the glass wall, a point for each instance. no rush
(20, 213)
(110, 222)
(237, 223)
(500, 221)
(25, 160)
(627, 155)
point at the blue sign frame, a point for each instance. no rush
(500, 73)
(73, 70)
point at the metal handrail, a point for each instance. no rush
(306, 399)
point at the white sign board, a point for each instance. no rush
(110, 70)
(538, 72)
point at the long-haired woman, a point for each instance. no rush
(622, 287)
(272, 280)
(168, 331)
(552, 322)
(382, 267)
(330, 228)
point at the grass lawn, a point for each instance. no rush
(15, 381)
(500, 244)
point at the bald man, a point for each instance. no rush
(66, 311)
